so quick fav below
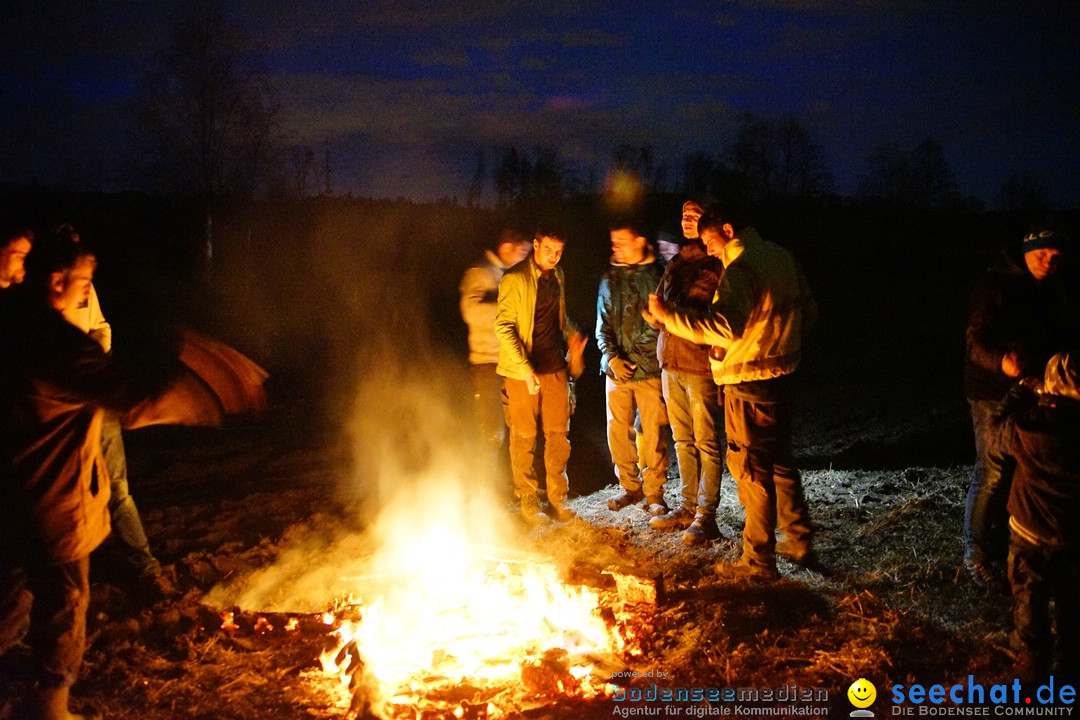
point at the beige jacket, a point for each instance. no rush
(760, 314)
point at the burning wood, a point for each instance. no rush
(479, 637)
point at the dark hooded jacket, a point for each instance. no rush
(1012, 312)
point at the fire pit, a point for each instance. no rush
(457, 630)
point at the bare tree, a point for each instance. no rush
(920, 177)
(210, 123)
(800, 168)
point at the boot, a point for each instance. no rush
(703, 530)
(678, 520)
(530, 511)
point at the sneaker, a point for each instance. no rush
(702, 530)
(624, 498)
(985, 577)
(655, 505)
(747, 570)
(530, 511)
(676, 520)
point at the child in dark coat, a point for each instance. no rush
(1044, 509)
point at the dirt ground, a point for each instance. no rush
(220, 505)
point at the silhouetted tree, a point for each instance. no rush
(933, 185)
(918, 178)
(697, 174)
(800, 167)
(753, 157)
(210, 122)
(1024, 194)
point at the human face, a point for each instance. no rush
(690, 215)
(12, 269)
(714, 242)
(626, 247)
(72, 288)
(511, 253)
(547, 252)
(1042, 263)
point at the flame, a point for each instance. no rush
(443, 612)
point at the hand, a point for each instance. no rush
(623, 370)
(1010, 364)
(575, 346)
(532, 382)
(657, 309)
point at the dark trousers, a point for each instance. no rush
(51, 599)
(488, 405)
(1041, 576)
(760, 458)
(986, 521)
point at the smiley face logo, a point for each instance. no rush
(862, 693)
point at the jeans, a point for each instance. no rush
(647, 399)
(986, 520)
(126, 523)
(694, 409)
(760, 458)
(551, 408)
(1039, 576)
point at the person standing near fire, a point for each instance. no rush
(126, 523)
(759, 317)
(16, 245)
(692, 397)
(1044, 522)
(627, 344)
(538, 346)
(479, 305)
(1021, 314)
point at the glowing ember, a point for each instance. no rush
(452, 624)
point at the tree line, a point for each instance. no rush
(212, 129)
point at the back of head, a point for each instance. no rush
(1061, 377)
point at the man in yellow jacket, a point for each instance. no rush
(535, 340)
(756, 324)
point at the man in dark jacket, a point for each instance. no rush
(1020, 315)
(1044, 509)
(627, 345)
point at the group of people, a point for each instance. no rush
(62, 466)
(719, 330)
(719, 326)
(1022, 381)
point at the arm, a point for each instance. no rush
(985, 346)
(479, 298)
(511, 298)
(605, 333)
(725, 319)
(100, 330)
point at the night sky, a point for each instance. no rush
(403, 94)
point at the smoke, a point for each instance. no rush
(370, 305)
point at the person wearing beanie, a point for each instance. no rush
(693, 404)
(1021, 314)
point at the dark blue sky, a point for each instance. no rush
(405, 92)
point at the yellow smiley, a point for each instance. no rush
(862, 693)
